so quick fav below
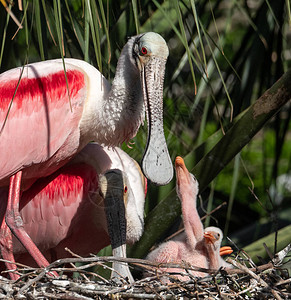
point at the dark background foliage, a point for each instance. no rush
(223, 56)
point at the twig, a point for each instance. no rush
(32, 281)
(281, 282)
(224, 283)
(255, 276)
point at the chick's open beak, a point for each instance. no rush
(225, 250)
(209, 238)
(182, 172)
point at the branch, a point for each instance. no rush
(239, 135)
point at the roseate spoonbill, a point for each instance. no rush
(189, 246)
(75, 208)
(213, 237)
(50, 110)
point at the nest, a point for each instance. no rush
(246, 281)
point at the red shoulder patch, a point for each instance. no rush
(50, 89)
(74, 179)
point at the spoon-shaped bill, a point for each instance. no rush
(112, 185)
(156, 162)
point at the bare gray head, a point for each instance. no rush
(150, 44)
(150, 52)
(138, 88)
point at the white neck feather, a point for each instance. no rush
(122, 110)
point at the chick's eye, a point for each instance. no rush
(125, 189)
(144, 51)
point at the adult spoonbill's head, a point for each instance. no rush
(150, 52)
(116, 184)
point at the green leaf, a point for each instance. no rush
(165, 213)
(256, 249)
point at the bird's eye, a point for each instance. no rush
(144, 50)
(125, 189)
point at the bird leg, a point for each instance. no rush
(6, 247)
(15, 222)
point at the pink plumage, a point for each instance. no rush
(65, 209)
(188, 246)
(53, 86)
(50, 110)
(41, 127)
(192, 246)
(41, 113)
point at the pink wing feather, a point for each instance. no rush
(52, 203)
(40, 126)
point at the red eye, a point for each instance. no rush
(144, 50)
(125, 189)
